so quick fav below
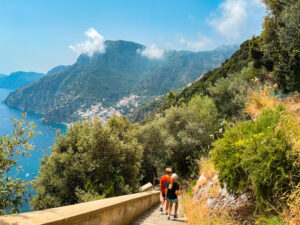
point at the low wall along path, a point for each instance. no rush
(111, 211)
(135, 209)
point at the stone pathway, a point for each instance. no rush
(155, 217)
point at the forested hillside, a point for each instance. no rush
(113, 82)
(276, 51)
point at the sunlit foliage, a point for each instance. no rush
(13, 147)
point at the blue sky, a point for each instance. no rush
(36, 35)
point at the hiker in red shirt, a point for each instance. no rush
(163, 182)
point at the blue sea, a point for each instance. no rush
(31, 164)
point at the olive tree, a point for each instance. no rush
(91, 161)
(11, 149)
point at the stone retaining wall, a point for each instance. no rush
(111, 211)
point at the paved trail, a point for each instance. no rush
(155, 217)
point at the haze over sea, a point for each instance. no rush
(42, 142)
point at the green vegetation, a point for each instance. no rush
(90, 162)
(229, 95)
(280, 42)
(93, 161)
(235, 64)
(11, 148)
(255, 155)
(234, 114)
(259, 150)
(184, 131)
(109, 77)
(274, 55)
(252, 150)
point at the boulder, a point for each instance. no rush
(201, 182)
(146, 187)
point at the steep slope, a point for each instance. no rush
(19, 79)
(236, 63)
(115, 81)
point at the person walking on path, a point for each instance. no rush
(172, 195)
(163, 182)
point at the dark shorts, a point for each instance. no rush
(172, 200)
(163, 195)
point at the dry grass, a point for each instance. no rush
(292, 214)
(207, 168)
(291, 123)
(208, 174)
(198, 213)
(197, 210)
(260, 99)
(214, 191)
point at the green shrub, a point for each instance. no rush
(255, 156)
(229, 95)
(189, 189)
(90, 162)
(270, 221)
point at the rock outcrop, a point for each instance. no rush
(209, 191)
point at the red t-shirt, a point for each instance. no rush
(163, 182)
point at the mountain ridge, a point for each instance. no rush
(115, 81)
(19, 79)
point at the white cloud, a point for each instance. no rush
(94, 44)
(152, 52)
(234, 18)
(202, 43)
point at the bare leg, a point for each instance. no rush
(167, 205)
(170, 208)
(176, 207)
(163, 201)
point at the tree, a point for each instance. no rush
(229, 95)
(288, 66)
(93, 159)
(153, 161)
(11, 148)
(170, 101)
(281, 42)
(183, 132)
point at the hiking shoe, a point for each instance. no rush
(175, 216)
(168, 217)
(161, 209)
(166, 213)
